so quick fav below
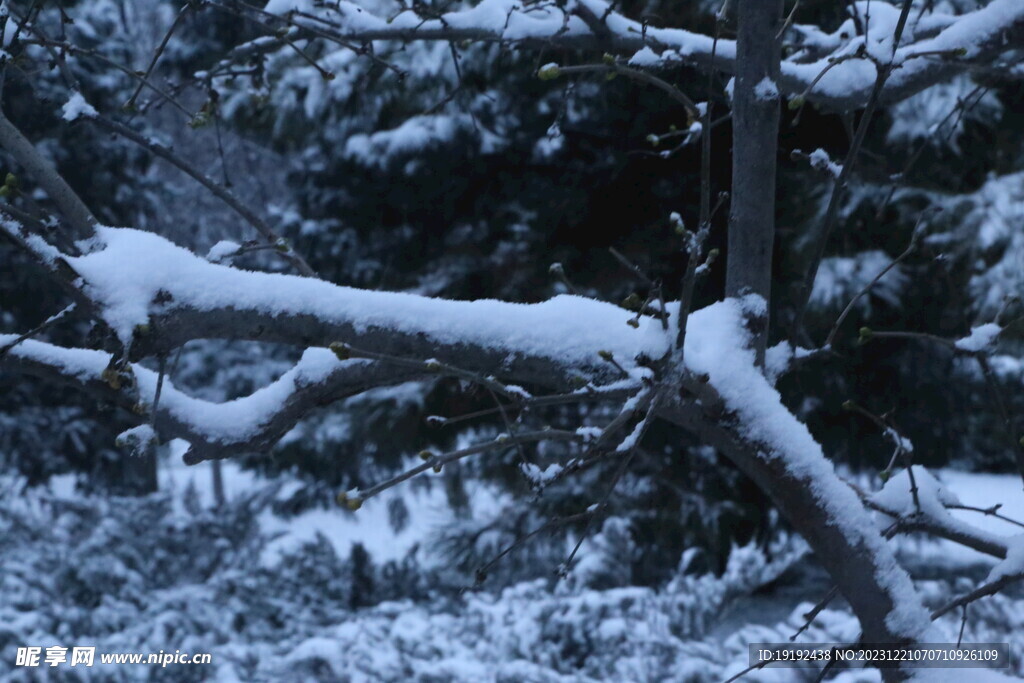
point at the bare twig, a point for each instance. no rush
(615, 69)
(435, 462)
(874, 281)
(156, 54)
(982, 591)
(216, 189)
(46, 324)
(815, 611)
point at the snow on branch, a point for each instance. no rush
(835, 70)
(215, 430)
(742, 415)
(930, 512)
(159, 295)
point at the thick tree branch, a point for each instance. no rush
(862, 571)
(68, 203)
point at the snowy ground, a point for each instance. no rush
(369, 526)
(696, 629)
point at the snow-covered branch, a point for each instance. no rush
(930, 513)
(935, 47)
(159, 296)
(215, 430)
(738, 412)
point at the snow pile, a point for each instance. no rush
(77, 106)
(821, 160)
(980, 338)
(766, 90)
(1013, 565)
(932, 496)
(222, 251)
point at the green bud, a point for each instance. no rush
(607, 58)
(353, 503)
(654, 140)
(884, 475)
(432, 365)
(866, 333)
(141, 330)
(548, 72)
(327, 75)
(633, 322)
(606, 355)
(340, 349)
(12, 181)
(848, 405)
(426, 455)
(795, 102)
(437, 468)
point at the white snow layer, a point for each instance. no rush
(980, 337)
(132, 267)
(77, 106)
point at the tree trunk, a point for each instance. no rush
(755, 124)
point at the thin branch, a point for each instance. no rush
(637, 436)
(672, 91)
(46, 324)
(982, 591)
(874, 281)
(988, 512)
(216, 189)
(815, 611)
(832, 211)
(345, 351)
(156, 55)
(483, 570)
(354, 499)
(120, 67)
